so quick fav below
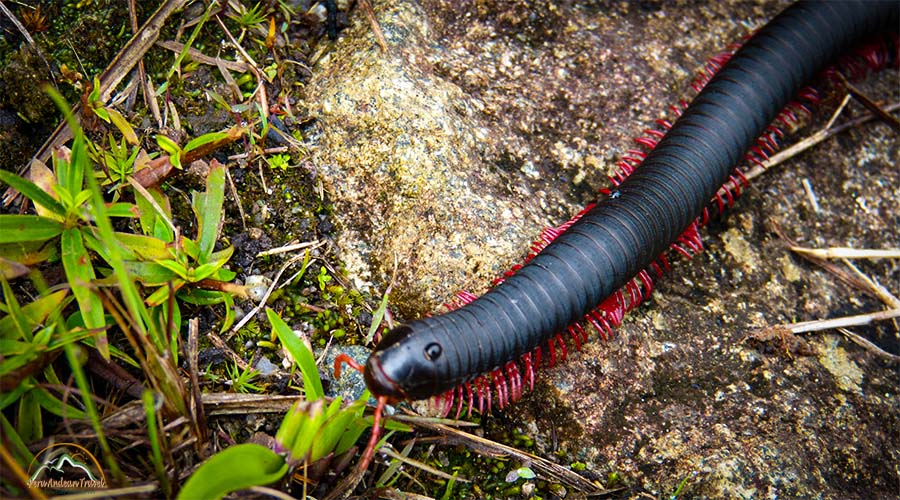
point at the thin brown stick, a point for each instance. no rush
(813, 140)
(827, 324)
(421, 465)
(143, 82)
(879, 291)
(199, 416)
(28, 38)
(237, 46)
(869, 103)
(200, 57)
(848, 253)
(237, 198)
(869, 346)
(262, 303)
(540, 465)
(830, 267)
(218, 342)
(373, 22)
(19, 26)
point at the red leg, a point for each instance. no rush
(342, 359)
(376, 434)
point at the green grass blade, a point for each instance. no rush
(153, 435)
(146, 248)
(208, 208)
(15, 320)
(85, 388)
(80, 273)
(312, 384)
(29, 421)
(53, 405)
(233, 469)
(15, 444)
(378, 316)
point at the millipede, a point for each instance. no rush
(602, 263)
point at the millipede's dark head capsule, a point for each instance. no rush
(380, 383)
(406, 364)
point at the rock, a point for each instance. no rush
(479, 126)
(408, 158)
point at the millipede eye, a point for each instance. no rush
(433, 351)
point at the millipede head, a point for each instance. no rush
(405, 365)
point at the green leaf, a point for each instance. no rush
(208, 208)
(206, 270)
(229, 313)
(78, 164)
(121, 210)
(378, 316)
(525, 473)
(14, 443)
(29, 423)
(205, 139)
(190, 248)
(94, 96)
(170, 147)
(223, 274)
(93, 243)
(162, 293)
(307, 433)
(18, 354)
(202, 297)
(33, 192)
(355, 426)
(18, 323)
(122, 124)
(332, 430)
(8, 398)
(31, 315)
(149, 273)
(175, 267)
(312, 384)
(233, 469)
(16, 228)
(152, 221)
(25, 253)
(147, 248)
(102, 113)
(81, 198)
(80, 273)
(218, 99)
(52, 404)
(153, 433)
(11, 269)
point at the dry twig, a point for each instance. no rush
(869, 346)
(827, 324)
(848, 253)
(376, 28)
(813, 140)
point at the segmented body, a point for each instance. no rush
(597, 267)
